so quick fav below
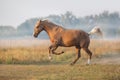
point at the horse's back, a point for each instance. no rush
(75, 37)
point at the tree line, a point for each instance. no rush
(108, 22)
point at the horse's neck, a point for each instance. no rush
(52, 31)
(48, 28)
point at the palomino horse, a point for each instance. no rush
(60, 36)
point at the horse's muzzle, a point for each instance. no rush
(35, 35)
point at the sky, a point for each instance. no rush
(15, 12)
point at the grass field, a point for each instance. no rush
(28, 60)
(60, 72)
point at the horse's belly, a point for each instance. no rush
(70, 42)
(73, 40)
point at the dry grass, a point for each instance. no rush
(105, 46)
(38, 54)
(59, 72)
(31, 62)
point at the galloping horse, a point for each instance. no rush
(60, 36)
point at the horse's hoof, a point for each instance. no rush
(50, 58)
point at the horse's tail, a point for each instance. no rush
(96, 30)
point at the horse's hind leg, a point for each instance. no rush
(78, 55)
(89, 53)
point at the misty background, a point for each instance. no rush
(108, 22)
(18, 17)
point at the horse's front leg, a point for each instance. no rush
(52, 49)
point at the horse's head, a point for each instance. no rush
(38, 28)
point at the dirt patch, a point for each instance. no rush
(110, 58)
